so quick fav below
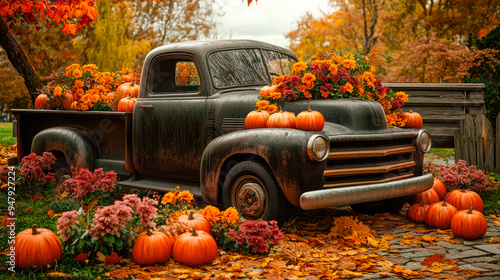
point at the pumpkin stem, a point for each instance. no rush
(421, 204)
(444, 203)
(33, 229)
(194, 232)
(470, 210)
(149, 232)
(309, 108)
(190, 217)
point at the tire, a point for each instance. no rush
(62, 172)
(392, 205)
(252, 190)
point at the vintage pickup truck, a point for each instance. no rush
(193, 136)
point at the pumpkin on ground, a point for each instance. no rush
(465, 199)
(41, 101)
(126, 104)
(128, 89)
(427, 197)
(197, 221)
(439, 215)
(37, 246)
(195, 248)
(256, 119)
(310, 120)
(439, 188)
(414, 120)
(281, 119)
(417, 212)
(152, 247)
(469, 224)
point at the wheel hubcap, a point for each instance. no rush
(250, 197)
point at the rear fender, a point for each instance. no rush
(75, 144)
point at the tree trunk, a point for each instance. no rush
(19, 59)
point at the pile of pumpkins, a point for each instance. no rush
(307, 120)
(41, 247)
(458, 210)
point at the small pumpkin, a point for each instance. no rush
(469, 224)
(281, 119)
(128, 78)
(68, 99)
(427, 197)
(414, 120)
(37, 246)
(152, 247)
(439, 188)
(128, 89)
(256, 119)
(197, 221)
(265, 91)
(439, 215)
(310, 120)
(41, 101)
(127, 104)
(417, 212)
(464, 199)
(195, 248)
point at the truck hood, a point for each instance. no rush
(342, 116)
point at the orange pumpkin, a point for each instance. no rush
(197, 221)
(439, 188)
(37, 246)
(414, 120)
(152, 247)
(469, 224)
(128, 89)
(465, 199)
(127, 104)
(417, 212)
(428, 197)
(68, 99)
(41, 101)
(128, 78)
(265, 91)
(256, 119)
(439, 215)
(195, 248)
(281, 119)
(310, 120)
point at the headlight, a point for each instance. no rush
(424, 141)
(318, 148)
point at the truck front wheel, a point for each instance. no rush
(251, 188)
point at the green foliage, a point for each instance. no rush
(6, 138)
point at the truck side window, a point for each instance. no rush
(237, 67)
(175, 75)
(278, 63)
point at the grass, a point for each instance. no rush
(6, 134)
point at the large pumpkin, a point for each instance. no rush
(126, 104)
(439, 188)
(281, 119)
(310, 120)
(41, 101)
(256, 119)
(37, 246)
(128, 89)
(465, 199)
(469, 224)
(427, 197)
(417, 212)
(152, 247)
(414, 120)
(439, 215)
(197, 221)
(195, 248)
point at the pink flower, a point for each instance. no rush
(65, 222)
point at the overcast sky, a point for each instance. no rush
(267, 21)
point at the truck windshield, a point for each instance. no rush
(241, 67)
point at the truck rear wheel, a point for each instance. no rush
(392, 205)
(252, 190)
(62, 172)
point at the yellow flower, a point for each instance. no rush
(308, 78)
(211, 213)
(185, 196)
(262, 104)
(333, 69)
(299, 67)
(168, 198)
(230, 216)
(272, 109)
(275, 95)
(278, 80)
(349, 87)
(57, 91)
(402, 96)
(89, 68)
(349, 63)
(77, 73)
(79, 83)
(307, 94)
(381, 94)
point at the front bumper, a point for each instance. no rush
(343, 196)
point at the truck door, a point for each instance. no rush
(168, 123)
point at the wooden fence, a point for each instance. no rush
(443, 106)
(476, 144)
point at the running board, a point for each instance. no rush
(158, 185)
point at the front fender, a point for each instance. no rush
(284, 151)
(74, 143)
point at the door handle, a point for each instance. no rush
(146, 106)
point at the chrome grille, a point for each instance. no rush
(371, 161)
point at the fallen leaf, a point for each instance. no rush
(112, 259)
(58, 275)
(28, 210)
(432, 259)
(52, 214)
(81, 257)
(100, 257)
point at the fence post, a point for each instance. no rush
(470, 141)
(484, 143)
